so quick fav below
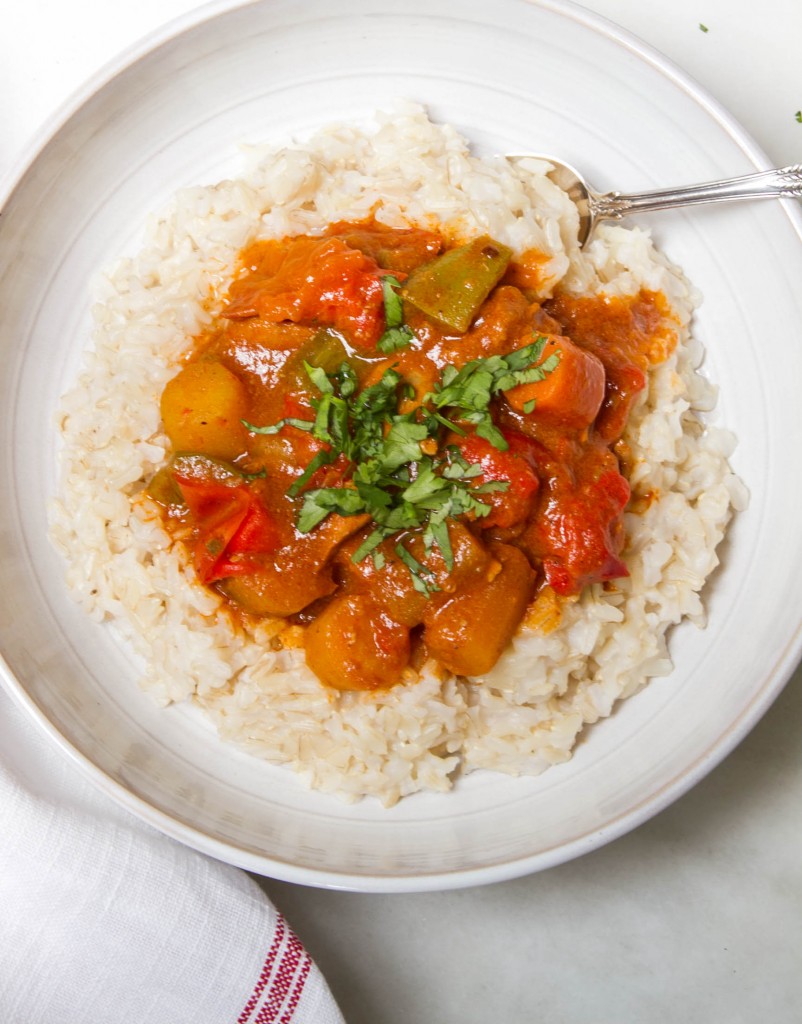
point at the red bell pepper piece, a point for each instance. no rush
(585, 535)
(230, 520)
(257, 534)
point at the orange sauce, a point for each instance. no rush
(556, 492)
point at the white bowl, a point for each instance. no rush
(513, 76)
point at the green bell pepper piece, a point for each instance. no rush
(452, 288)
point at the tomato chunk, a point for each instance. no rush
(296, 575)
(513, 505)
(578, 531)
(257, 534)
(228, 518)
(316, 279)
(624, 384)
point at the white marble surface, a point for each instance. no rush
(697, 915)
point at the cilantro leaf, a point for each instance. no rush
(422, 577)
(274, 428)
(398, 334)
(323, 458)
(324, 500)
(395, 338)
(402, 444)
(393, 307)
(437, 533)
(368, 545)
(319, 378)
(397, 472)
(470, 390)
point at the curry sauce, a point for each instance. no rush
(386, 439)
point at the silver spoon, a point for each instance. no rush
(785, 182)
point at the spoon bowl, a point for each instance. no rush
(594, 207)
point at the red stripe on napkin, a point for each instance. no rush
(281, 980)
(267, 970)
(292, 1005)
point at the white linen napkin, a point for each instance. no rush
(105, 920)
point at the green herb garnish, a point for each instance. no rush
(390, 476)
(393, 306)
(397, 334)
(704, 28)
(422, 577)
(798, 116)
(470, 390)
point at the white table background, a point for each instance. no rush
(697, 915)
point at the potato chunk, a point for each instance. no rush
(202, 408)
(277, 590)
(468, 631)
(354, 645)
(392, 587)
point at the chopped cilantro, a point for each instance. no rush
(704, 28)
(391, 477)
(397, 334)
(323, 458)
(470, 390)
(402, 443)
(393, 307)
(274, 428)
(422, 577)
(395, 338)
(798, 116)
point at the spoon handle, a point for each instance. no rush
(785, 182)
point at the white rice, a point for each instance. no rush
(527, 713)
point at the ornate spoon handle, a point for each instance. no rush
(786, 182)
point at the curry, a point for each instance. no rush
(386, 440)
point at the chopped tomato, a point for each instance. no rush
(578, 533)
(257, 531)
(303, 445)
(513, 505)
(296, 408)
(317, 279)
(624, 384)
